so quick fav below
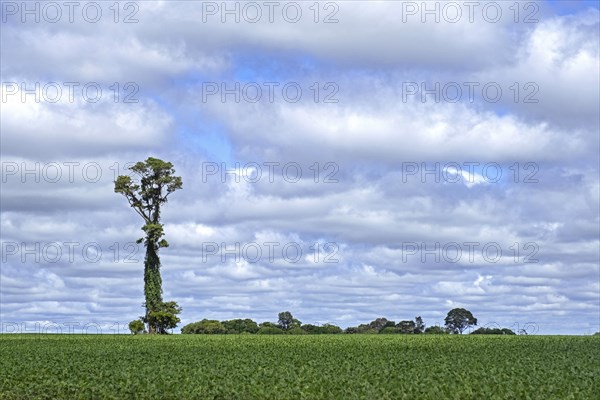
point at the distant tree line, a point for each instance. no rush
(493, 331)
(456, 322)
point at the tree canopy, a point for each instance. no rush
(459, 319)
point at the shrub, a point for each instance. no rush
(492, 331)
(435, 330)
(240, 326)
(164, 317)
(137, 326)
(331, 329)
(312, 329)
(206, 326)
(269, 330)
(296, 331)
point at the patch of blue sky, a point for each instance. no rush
(162, 101)
(277, 67)
(197, 133)
(206, 139)
(195, 78)
(500, 111)
(563, 7)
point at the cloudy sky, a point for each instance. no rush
(342, 160)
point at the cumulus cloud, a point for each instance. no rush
(396, 197)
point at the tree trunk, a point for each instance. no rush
(152, 282)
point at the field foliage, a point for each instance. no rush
(299, 367)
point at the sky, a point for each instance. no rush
(343, 160)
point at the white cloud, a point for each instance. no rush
(367, 136)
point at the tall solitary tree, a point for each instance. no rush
(459, 319)
(156, 181)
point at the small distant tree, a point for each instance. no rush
(388, 330)
(459, 319)
(419, 325)
(287, 321)
(190, 328)
(240, 326)
(492, 331)
(331, 329)
(312, 329)
(380, 323)
(406, 327)
(328, 329)
(367, 329)
(435, 330)
(269, 328)
(137, 326)
(204, 327)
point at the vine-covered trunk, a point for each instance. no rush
(152, 282)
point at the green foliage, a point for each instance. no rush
(312, 329)
(152, 283)
(419, 325)
(240, 326)
(156, 181)
(163, 317)
(296, 330)
(331, 329)
(328, 329)
(282, 367)
(435, 330)
(206, 327)
(287, 321)
(137, 326)
(270, 330)
(362, 328)
(268, 324)
(380, 323)
(492, 331)
(373, 327)
(388, 330)
(191, 328)
(459, 319)
(406, 327)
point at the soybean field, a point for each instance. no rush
(299, 367)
